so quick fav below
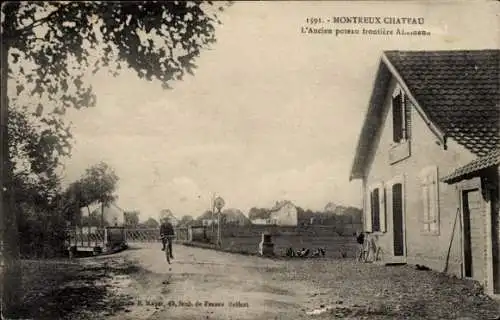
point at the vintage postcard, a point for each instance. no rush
(250, 160)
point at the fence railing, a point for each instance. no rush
(152, 235)
(85, 237)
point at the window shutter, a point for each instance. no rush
(375, 209)
(368, 213)
(382, 208)
(375, 216)
(434, 199)
(425, 203)
(397, 117)
(388, 201)
(408, 107)
(432, 207)
(430, 199)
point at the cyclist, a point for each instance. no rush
(167, 231)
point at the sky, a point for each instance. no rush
(270, 113)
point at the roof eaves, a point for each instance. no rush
(473, 168)
(358, 163)
(356, 166)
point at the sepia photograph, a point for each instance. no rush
(250, 160)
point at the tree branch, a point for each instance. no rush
(20, 32)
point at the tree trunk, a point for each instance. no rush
(9, 238)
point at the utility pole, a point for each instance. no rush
(219, 204)
(104, 232)
(218, 229)
(212, 210)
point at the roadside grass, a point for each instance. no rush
(71, 289)
(337, 247)
(350, 290)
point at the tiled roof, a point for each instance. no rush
(458, 90)
(487, 161)
(279, 205)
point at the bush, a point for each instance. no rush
(41, 233)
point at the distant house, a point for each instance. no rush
(114, 215)
(284, 213)
(428, 158)
(261, 221)
(111, 215)
(208, 222)
(336, 209)
(235, 217)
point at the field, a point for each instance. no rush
(247, 239)
(336, 246)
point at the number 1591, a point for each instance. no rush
(314, 20)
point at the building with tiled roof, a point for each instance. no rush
(474, 168)
(284, 213)
(428, 156)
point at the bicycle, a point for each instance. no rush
(367, 249)
(167, 246)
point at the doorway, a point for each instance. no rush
(473, 235)
(397, 218)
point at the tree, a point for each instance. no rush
(99, 184)
(151, 223)
(46, 48)
(131, 218)
(356, 214)
(36, 149)
(206, 215)
(186, 220)
(93, 219)
(258, 213)
(164, 213)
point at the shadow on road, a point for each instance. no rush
(65, 290)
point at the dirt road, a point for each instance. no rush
(206, 284)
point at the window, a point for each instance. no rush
(397, 219)
(430, 199)
(375, 217)
(400, 117)
(375, 212)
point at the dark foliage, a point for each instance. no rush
(49, 48)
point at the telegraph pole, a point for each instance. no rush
(218, 229)
(212, 209)
(219, 204)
